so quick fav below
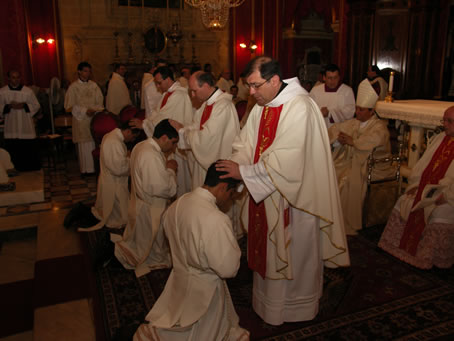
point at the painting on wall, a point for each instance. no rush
(152, 3)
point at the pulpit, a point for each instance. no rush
(419, 114)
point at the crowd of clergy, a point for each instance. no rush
(291, 175)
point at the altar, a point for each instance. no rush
(419, 114)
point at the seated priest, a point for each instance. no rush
(111, 206)
(420, 230)
(153, 183)
(196, 303)
(353, 141)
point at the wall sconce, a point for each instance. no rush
(37, 40)
(252, 46)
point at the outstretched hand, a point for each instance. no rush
(177, 125)
(136, 123)
(231, 167)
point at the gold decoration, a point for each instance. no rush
(215, 13)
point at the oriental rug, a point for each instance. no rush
(377, 298)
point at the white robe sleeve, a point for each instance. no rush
(257, 181)
(32, 103)
(115, 158)
(221, 248)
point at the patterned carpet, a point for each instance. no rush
(377, 298)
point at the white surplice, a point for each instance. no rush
(296, 172)
(147, 77)
(80, 97)
(214, 140)
(117, 94)
(224, 84)
(351, 164)
(5, 164)
(196, 304)
(143, 246)
(151, 97)
(178, 107)
(18, 122)
(341, 104)
(111, 206)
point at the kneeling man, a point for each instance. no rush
(195, 303)
(111, 206)
(153, 182)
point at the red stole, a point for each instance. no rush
(166, 97)
(433, 173)
(206, 114)
(257, 224)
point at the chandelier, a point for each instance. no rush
(215, 13)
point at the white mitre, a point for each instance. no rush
(367, 96)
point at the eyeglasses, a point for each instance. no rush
(255, 86)
(447, 120)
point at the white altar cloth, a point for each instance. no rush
(418, 112)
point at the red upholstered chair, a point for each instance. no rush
(127, 113)
(241, 107)
(102, 123)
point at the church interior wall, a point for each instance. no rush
(88, 26)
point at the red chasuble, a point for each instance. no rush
(166, 97)
(433, 173)
(206, 114)
(258, 226)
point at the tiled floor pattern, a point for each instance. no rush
(20, 250)
(63, 187)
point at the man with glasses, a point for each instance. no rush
(293, 212)
(420, 230)
(335, 99)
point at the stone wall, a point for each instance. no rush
(88, 26)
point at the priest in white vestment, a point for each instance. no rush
(335, 99)
(83, 99)
(420, 230)
(150, 96)
(196, 304)
(293, 212)
(184, 78)
(117, 92)
(354, 140)
(224, 83)
(18, 105)
(174, 104)
(111, 206)
(153, 183)
(211, 135)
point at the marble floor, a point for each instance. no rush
(32, 237)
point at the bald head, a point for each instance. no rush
(448, 121)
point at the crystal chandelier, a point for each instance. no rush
(215, 13)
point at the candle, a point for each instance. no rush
(391, 82)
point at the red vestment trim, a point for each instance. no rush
(206, 114)
(433, 173)
(166, 97)
(257, 224)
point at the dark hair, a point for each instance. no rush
(233, 87)
(117, 66)
(164, 71)
(125, 126)
(212, 178)
(206, 66)
(331, 68)
(8, 74)
(165, 128)
(375, 69)
(195, 68)
(205, 77)
(83, 65)
(267, 67)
